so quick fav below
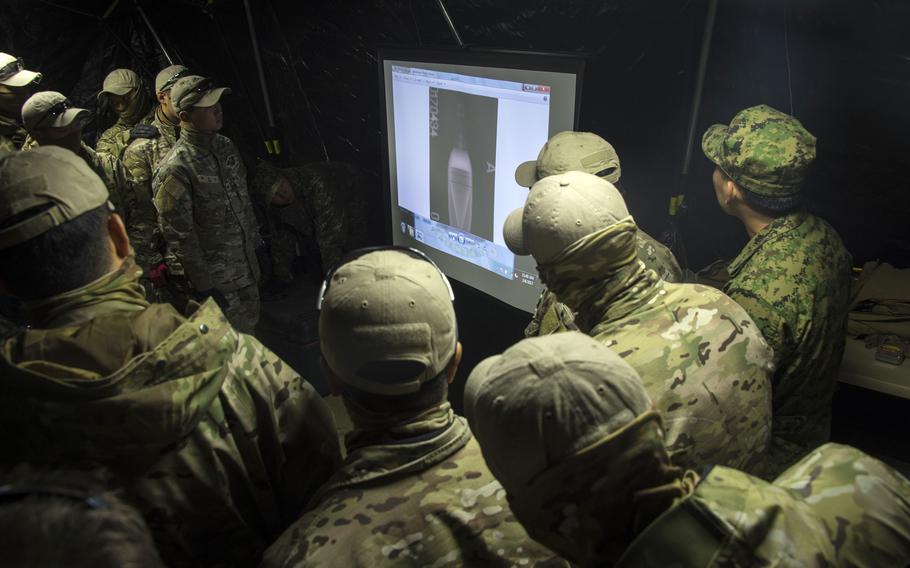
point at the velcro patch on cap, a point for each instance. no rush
(595, 158)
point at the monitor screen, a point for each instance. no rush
(457, 124)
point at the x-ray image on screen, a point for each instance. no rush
(462, 160)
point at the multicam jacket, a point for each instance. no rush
(793, 278)
(205, 212)
(216, 440)
(115, 139)
(552, 316)
(701, 358)
(140, 160)
(836, 507)
(417, 494)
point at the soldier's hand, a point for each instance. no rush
(143, 131)
(159, 275)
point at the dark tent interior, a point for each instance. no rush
(841, 66)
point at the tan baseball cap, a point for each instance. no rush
(166, 78)
(547, 398)
(53, 183)
(387, 306)
(49, 109)
(120, 82)
(559, 210)
(571, 151)
(195, 91)
(13, 72)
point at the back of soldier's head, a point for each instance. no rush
(571, 152)
(767, 153)
(69, 518)
(560, 210)
(54, 213)
(387, 327)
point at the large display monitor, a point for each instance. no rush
(457, 124)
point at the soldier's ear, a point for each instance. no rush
(184, 116)
(119, 239)
(453, 364)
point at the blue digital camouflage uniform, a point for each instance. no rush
(217, 441)
(416, 494)
(208, 222)
(793, 277)
(701, 358)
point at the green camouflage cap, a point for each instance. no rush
(195, 91)
(571, 151)
(559, 210)
(119, 82)
(43, 188)
(166, 78)
(763, 150)
(387, 306)
(546, 399)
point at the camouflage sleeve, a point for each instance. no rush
(113, 173)
(113, 142)
(138, 169)
(551, 316)
(773, 327)
(864, 503)
(305, 452)
(174, 203)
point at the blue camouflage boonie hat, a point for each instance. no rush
(763, 150)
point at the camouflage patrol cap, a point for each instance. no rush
(387, 306)
(119, 82)
(13, 72)
(43, 188)
(166, 78)
(546, 399)
(763, 150)
(559, 210)
(571, 151)
(194, 91)
(49, 109)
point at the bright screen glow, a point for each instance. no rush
(456, 133)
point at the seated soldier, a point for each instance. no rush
(70, 518)
(585, 152)
(413, 490)
(216, 440)
(699, 355)
(124, 91)
(567, 428)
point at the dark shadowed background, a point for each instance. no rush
(841, 66)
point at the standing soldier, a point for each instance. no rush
(793, 276)
(140, 159)
(585, 152)
(15, 81)
(124, 91)
(700, 356)
(413, 490)
(52, 120)
(204, 208)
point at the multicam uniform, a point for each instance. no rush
(217, 441)
(414, 494)
(552, 316)
(140, 160)
(793, 278)
(208, 221)
(115, 139)
(701, 358)
(836, 507)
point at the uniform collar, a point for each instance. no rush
(774, 231)
(197, 138)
